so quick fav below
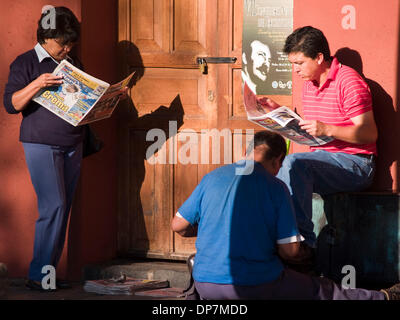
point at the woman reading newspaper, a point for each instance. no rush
(53, 147)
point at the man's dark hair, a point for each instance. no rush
(275, 142)
(308, 40)
(67, 27)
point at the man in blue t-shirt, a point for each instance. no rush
(244, 222)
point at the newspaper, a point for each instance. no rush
(81, 98)
(126, 287)
(282, 120)
(162, 293)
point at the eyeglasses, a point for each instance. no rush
(68, 45)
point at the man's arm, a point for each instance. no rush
(183, 227)
(288, 250)
(362, 132)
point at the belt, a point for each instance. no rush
(370, 156)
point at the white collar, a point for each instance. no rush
(43, 54)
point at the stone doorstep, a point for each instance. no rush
(176, 273)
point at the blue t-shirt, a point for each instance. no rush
(240, 219)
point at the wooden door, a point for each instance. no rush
(161, 40)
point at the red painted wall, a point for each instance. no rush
(373, 49)
(92, 231)
(18, 210)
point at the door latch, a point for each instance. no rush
(203, 62)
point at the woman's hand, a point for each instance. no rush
(21, 98)
(47, 80)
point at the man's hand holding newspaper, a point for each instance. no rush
(313, 127)
(270, 115)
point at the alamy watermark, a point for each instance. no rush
(204, 147)
(349, 280)
(49, 280)
(49, 18)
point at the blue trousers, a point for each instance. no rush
(54, 172)
(324, 173)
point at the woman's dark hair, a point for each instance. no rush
(308, 40)
(66, 26)
(275, 142)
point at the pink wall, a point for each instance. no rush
(92, 232)
(376, 40)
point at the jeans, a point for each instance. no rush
(324, 173)
(54, 174)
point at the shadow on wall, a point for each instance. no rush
(133, 146)
(387, 121)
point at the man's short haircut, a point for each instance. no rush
(308, 40)
(67, 27)
(275, 142)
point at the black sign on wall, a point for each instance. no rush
(266, 24)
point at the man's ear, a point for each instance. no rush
(320, 58)
(278, 162)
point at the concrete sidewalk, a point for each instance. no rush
(175, 272)
(17, 291)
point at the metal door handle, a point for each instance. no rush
(203, 61)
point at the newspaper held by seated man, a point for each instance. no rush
(81, 98)
(282, 120)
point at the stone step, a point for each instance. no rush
(176, 272)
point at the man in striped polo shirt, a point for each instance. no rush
(336, 103)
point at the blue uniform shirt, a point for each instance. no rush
(240, 220)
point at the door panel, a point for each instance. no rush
(169, 35)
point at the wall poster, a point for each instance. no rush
(266, 24)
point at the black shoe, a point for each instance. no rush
(37, 286)
(392, 293)
(63, 284)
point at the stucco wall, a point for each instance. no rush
(92, 232)
(93, 229)
(367, 31)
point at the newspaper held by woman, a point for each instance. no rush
(81, 98)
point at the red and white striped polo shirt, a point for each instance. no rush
(343, 96)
